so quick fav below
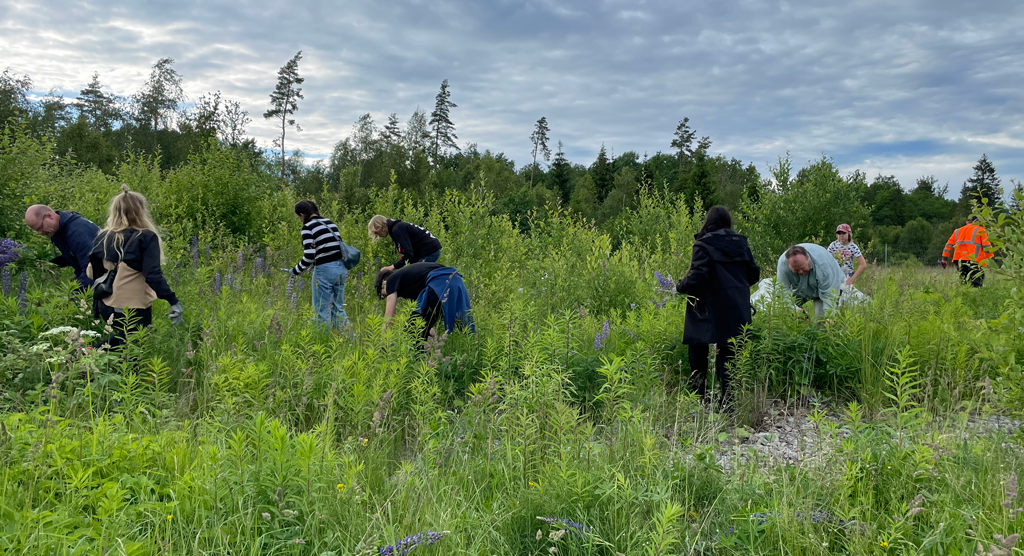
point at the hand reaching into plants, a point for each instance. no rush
(286, 270)
(175, 314)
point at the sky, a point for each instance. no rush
(908, 88)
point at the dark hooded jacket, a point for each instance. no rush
(74, 238)
(413, 242)
(722, 270)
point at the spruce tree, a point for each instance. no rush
(560, 175)
(983, 185)
(683, 142)
(284, 101)
(601, 172)
(539, 138)
(417, 132)
(441, 121)
(392, 133)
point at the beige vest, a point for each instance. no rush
(130, 288)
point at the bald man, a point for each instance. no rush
(71, 233)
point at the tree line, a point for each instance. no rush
(99, 129)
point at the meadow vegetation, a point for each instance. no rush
(561, 427)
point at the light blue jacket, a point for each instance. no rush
(822, 282)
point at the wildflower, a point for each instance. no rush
(22, 290)
(1010, 490)
(8, 251)
(553, 550)
(556, 535)
(340, 487)
(230, 280)
(405, 545)
(265, 516)
(576, 529)
(366, 441)
(302, 285)
(598, 344)
(195, 251)
(289, 513)
(5, 280)
(539, 535)
(169, 518)
(883, 544)
(240, 259)
(216, 283)
(605, 330)
(663, 282)
(532, 484)
(255, 269)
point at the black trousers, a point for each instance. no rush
(431, 313)
(971, 273)
(699, 361)
(122, 325)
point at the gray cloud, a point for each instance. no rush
(906, 88)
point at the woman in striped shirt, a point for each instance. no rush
(321, 246)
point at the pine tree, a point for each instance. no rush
(392, 132)
(983, 185)
(441, 121)
(698, 181)
(284, 101)
(602, 174)
(158, 100)
(683, 142)
(99, 108)
(539, 138)
(560, 176)
(1016, 197)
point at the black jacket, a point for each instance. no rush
(140, 253)
(74, 237)
(413, 242)
(722, 269)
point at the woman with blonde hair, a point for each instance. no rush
(125, 264)
(414, 243)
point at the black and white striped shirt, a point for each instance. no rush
(319, 243)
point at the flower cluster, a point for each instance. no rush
(8, 251)
(665, 283)
(5, 281)
(23, 292)
(216, 283)
(602, 336)
(406, 545)
(195, 250)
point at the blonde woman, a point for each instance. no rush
(414, 243)
(125, 263)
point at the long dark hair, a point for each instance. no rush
(718, 218)
(306, 209)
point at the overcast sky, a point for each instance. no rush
(908, 88)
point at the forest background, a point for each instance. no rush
(99, 131)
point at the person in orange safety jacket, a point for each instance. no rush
(971, 250)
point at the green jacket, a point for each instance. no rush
(822, 282)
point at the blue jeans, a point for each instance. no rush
(431, 258)
(329, 294)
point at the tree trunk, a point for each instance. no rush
(532, 170)
(283, 123)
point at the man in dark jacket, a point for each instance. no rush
(71, 233)
(414, 243)
(722, 269)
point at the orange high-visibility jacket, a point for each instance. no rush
(969, 243)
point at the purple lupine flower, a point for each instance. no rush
(216, 283)
(605, 330)
(404, 546)
(663, 282)
(22, 292)
(230, 280)
(207, 251)
(8, 251)
(660, 304)
(575, 529)
(195, 251)
(598, 343)
(240, 259)
(252, 274)
(5, 280)
(290, 286)
(238, 284)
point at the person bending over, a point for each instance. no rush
(811, 273)
(414, 243)
(70, 233)
(439, 293)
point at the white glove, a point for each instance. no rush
(175, 314)
(286, 270)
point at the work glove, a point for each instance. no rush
(175, 314)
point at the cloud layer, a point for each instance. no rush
(909, 88)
